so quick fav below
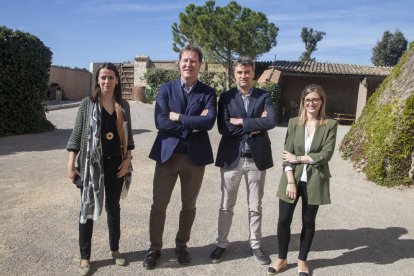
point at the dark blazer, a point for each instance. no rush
(321, 151)
(171, 97)
(231, 106)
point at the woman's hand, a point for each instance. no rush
(123, 168)
(291, 190)
(71, 171)
(289, 157)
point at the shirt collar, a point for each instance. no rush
(187, 90)
(248, 94)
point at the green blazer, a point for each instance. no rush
(321, 151)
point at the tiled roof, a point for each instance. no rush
(330, 68)
(270, 75)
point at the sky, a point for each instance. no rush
(81, 32)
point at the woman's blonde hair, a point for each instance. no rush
(302, 110)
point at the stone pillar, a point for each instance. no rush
(362, 97)
(141, 65)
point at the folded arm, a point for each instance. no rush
(203, 121)
(162, 116)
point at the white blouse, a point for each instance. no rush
(308, 143)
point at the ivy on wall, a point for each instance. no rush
(380, 143)
(24, 73)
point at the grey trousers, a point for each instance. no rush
(230, 182)
(165, 177)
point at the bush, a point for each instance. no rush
(24, 73)
(155, 77)
(276, 95)
(217, 80)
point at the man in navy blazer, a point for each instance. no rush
(245, 115)
(185, 110)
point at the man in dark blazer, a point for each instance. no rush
(245, 115)
(185, 110)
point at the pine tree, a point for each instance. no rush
(223, 33)
(310, 37)
(388, 51)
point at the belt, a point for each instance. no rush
(246, 154)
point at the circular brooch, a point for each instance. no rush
(109, 135)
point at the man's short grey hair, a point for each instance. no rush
(244, 61)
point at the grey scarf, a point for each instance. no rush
(93, 185)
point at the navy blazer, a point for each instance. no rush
(171, 97)
(231, 143)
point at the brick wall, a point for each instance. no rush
(76, 84)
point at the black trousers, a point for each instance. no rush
(113, 189)
(308, 224)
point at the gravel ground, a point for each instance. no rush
(367, 230)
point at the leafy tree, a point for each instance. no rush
(223, 33)
(310, 37)
(388, 51)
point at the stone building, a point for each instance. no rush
(347, 86)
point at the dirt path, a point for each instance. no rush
(368, 230)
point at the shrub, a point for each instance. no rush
(155, 77)
(24, 73)
(276, 95)
(217, 80)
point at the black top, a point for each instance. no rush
(111, 146)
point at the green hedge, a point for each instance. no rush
(155, 77)
(24, 73)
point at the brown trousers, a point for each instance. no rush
(165, 177)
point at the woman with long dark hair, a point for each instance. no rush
(100, 159)
(309, 145)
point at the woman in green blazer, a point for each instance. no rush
(309, 145)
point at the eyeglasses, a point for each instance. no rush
(314, 101)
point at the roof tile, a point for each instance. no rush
(330, 68)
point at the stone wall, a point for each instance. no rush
(75, 84)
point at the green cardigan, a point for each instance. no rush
(321, 151)
(79, 138)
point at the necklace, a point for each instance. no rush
(310, 124)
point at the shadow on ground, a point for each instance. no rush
(51, 140)
(363, 245)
